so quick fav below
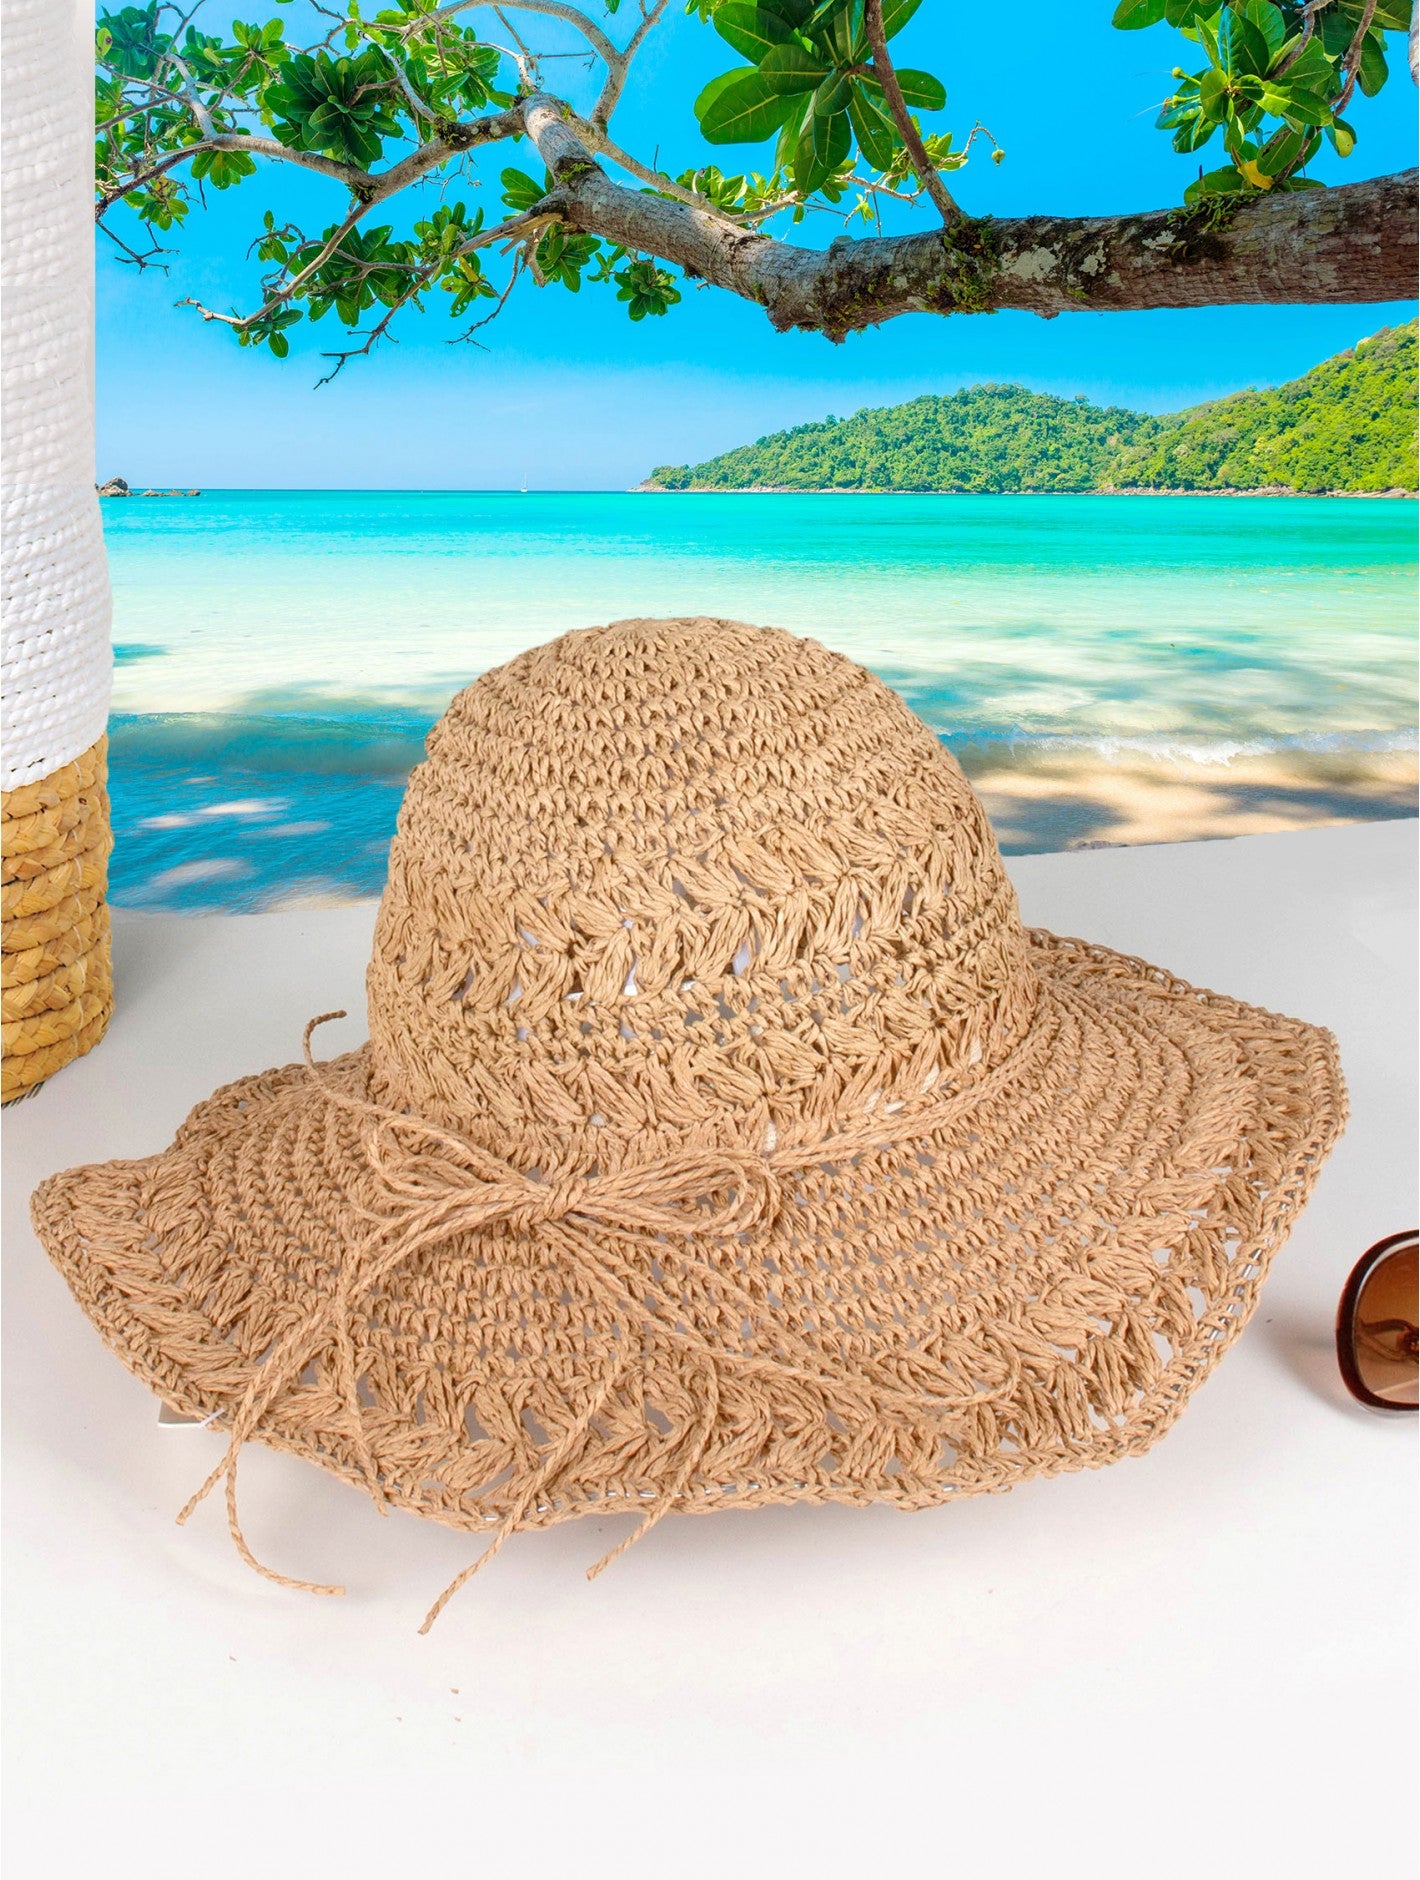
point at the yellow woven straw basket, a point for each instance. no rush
(57, 970)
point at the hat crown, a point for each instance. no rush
(676, 877)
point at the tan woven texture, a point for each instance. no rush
(57, 976)
(722, 1137)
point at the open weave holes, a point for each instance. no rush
(722, 1137)
(54, 966)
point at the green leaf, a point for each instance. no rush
(1236, 46)
(751, 30)
(821, 19)
(1291, 147)
(797, 12)
(1130, 15)
(832, 96)
(1216, 183)
(836, 28)
(1332, 31)
(918, 89)
(646, 287)
(806, 169)
(1183, 103)
(1267, 20)
(1311, 67)
(1341, 136)
(714, 89)
(787, 141)
(1295, 105)
(820, 145)
(1193, 134)
(522, 192)
(830, 135)
(922, 91)
(1372, 71)
(896, 14)
(744, 111)
(789, 69)
(874, 129)
(1213, 96)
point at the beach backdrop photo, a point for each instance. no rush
(1147, 567)
(669, 1103)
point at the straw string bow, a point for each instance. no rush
(435, 1185)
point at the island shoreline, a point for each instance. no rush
(789, 489)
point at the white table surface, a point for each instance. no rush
(1197, 1661)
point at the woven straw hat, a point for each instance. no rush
(722, 1137)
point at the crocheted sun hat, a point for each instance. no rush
(722, 1137)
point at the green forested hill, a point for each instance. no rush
(990, 437)
(1348, 425)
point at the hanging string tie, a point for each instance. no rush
(435, 1185)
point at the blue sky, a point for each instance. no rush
(570, 395)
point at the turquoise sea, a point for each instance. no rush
(281, 654)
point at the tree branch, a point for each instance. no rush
(516, 228)
(346, 173)
(287, 293)
(1347, 245)
(616, 60)
(597, 140)
(1310, 9)
(472, 135)
(620, 65)
(1351, 62)
(159, 94)
(466, 337)
(886, 75)
(133, 257)
(369, 186)
(523, 58)
(380, 330)
(551, 9)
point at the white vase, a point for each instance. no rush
(55, 654)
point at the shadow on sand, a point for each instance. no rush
(1043, 804)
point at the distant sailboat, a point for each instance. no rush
(525, 485)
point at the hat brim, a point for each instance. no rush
(1080, 1250)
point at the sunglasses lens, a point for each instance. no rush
(1383, 1331)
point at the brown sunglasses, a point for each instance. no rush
(1377, 1343)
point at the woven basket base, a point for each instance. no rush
(55, 962)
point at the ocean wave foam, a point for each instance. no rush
(387, 745)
